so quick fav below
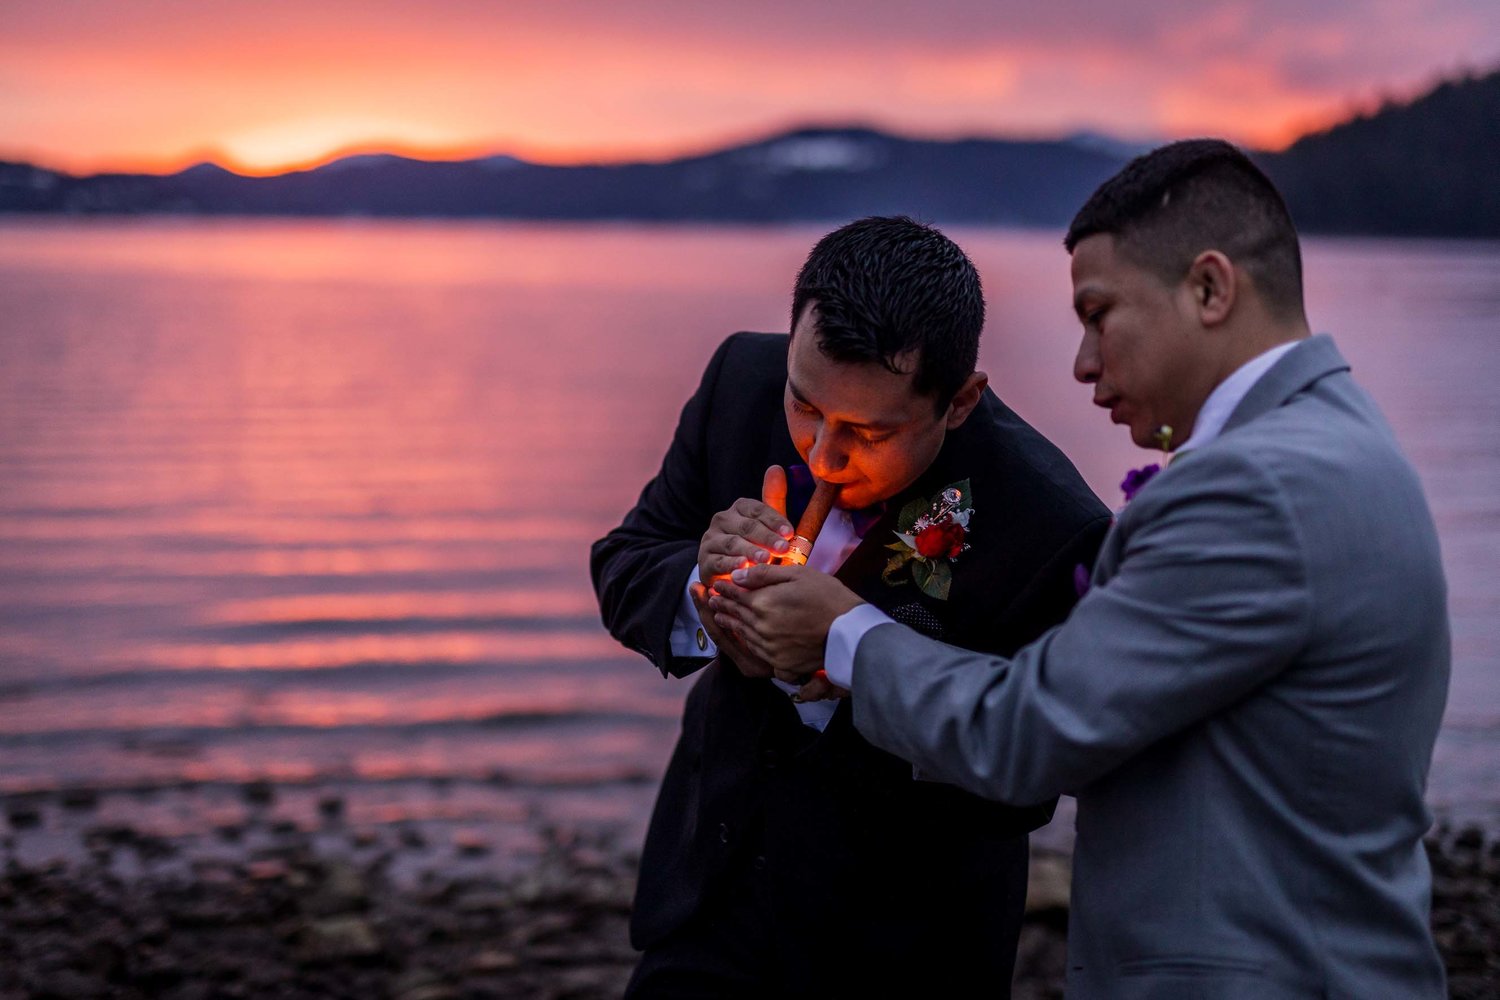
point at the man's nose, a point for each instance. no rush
(1086, 362)
(828, 457)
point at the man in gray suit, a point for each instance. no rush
(1245, 701)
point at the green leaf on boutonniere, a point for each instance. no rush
(894, 566)
(965, 490)
(909, 514)
(934, 578)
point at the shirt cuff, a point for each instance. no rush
(843, 641)
(689, 638)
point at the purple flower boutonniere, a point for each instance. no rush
(1135, 479)
(932, 533)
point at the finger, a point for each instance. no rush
(718, 565)
(721, 604)
(737, 534)
(744, 536)
(729, 595)
(790, 675)
(762, 516)
(713, 618)
(734, 638)
(740, 633)
(754, 577)
(773, 489)
(749, 605)
(820, 688)
(729, 638)
(700, 596)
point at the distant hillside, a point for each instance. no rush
(804, 174)
(1428, 168)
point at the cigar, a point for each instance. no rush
(811, 522)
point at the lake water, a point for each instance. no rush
(310, 502)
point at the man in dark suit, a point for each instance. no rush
(875, 391)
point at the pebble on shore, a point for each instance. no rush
(292, 921)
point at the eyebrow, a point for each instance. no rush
(871, 426)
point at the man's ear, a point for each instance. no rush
(1212, 281)
(966, 399)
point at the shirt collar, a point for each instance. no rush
(1227, 395)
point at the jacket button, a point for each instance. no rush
(768, 759)
(723, 833)
(759, 864)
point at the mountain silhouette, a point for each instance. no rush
(1427, 168)
(1424, 168)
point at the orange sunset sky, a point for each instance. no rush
(88, 85)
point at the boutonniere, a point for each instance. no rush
(1135, 480)
(932, 533)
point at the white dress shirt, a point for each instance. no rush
(833, 545)
(1227, 395)
(850, 627)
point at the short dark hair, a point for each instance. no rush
(1173, 203)
(888, 285)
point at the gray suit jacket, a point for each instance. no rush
(1244, 704)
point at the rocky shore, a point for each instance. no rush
(1466, 909)
(288, 921)
(140, 916)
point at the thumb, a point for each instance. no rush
(773, 489)
(755, 577)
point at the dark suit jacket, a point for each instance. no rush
(887, 874)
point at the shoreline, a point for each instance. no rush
(417, 911)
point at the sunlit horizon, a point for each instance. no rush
(295, 147)
(266, 88)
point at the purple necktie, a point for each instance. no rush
(799, 492)
(864, 519)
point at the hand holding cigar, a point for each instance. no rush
(750, 531)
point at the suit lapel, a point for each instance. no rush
(861, 572)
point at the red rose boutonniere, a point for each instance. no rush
(932, 533)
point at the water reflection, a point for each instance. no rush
(311, 500)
